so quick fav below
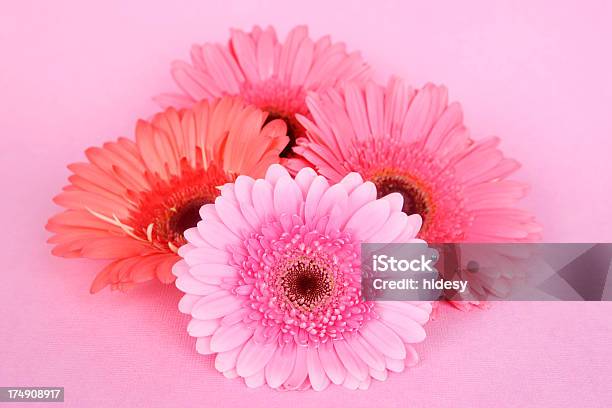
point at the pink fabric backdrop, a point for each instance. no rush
(75, 74)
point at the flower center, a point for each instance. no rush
(306, 283)
(301, 285)
(187, 216)
(415, 198)
(173, 205)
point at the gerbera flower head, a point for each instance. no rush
(413, 142)
(132, 201)
(273, 75)
(272, 282)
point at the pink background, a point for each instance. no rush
(537, 73)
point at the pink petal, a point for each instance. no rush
(374, 102)
(244, 48)
(334, 368)
(335, 196)
(300, 371)
(201, 328)
(368, 219)
(384, 339)
(281, 365)
(450, 118)
(243, 187)
(352, 181)
(216, 305)
(316, 373)
(229, 212)
(203, 345)
(362, 195)
(213, 273)
(204, 255)
(398, 97)
(226, 360)
(265, 54)
(406, 328)
(397, 366)
(220, 68)
(229, 337)
(364, 385)
(287, 196)
(424, 110)
(404, 309)
(392, 228)
(217, 234)
(411, 229)
(178, 101)
(254, 357)
(198, 85)
(302, 63)
(230, 374)
(379, 375)
(351, 361)
(351, 382)
(412, 358)
(187, 303)
(275, 172)
(304, 179)
(367, 353)
(356, 109)
(263, 199)
(396, 201)
(318, 187)
(234, 317)
(180, 268)
(192, 235)
(256, 380)
(288, 51)
(189, 284)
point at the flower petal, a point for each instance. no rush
(316, 373)
(384, 339)
(281, 364)
(368, 220)
(229, 337)
(215, 305)
(254, 357)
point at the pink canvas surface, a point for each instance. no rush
(74, 74)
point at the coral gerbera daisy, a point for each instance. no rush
(132, 201)
(414, 143)
(275, 76)
(272, 282)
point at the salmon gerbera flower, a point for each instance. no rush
(275, 76)
(272, 282)
(414, 143)
(132, 201)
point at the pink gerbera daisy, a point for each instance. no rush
(272, 282)
(273, 75)
(132, 201)
(414, 143)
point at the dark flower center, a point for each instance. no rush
(415, 200)
(307, 284)
(173, 206)
(187, 216)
